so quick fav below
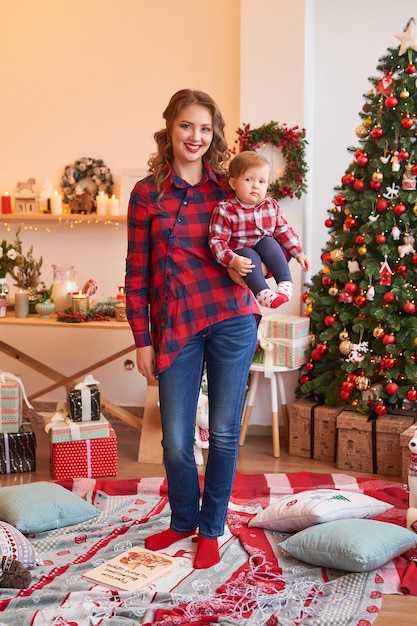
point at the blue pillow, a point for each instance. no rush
(353, 545)
(36, 507)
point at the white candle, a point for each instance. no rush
(56, 203)
(114, 208)
(101, 203)
(21, 303)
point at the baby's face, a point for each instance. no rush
(251, 186)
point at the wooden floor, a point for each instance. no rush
(255, 457)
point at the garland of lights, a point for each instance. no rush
(84, 168)
(291, 142)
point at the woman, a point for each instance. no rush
(186, 314)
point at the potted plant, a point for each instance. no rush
(40, 293)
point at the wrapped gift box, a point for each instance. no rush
(405, 451)
(91, 458)
(283, 340)
(83, 403)
(10, 405)
(371, 446)
(18, 451)
(312, 430)
(60, 428)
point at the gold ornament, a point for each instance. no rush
(309, 309)
(362, 250)
(337, 254)
(362, 131)
(369, 122)
(377, 177)
(326, 269)
(378, 332)
(312, 339)
(362, 383)
(347, 211)
(415, 209)
(404, 94)
(343, 335)
(346, 347)
(333, 291)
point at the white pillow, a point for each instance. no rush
(307, 508)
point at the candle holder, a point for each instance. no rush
(80, 303)
(120, 312)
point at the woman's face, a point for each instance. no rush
(191, 135)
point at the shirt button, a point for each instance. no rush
(185, 203)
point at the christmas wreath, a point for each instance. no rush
(86, 174)
(291, 142)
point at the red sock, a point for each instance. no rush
(165, 538)
(207, 553)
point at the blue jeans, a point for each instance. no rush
(227, 349)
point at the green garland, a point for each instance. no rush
(292, 143)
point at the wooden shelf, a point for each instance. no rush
(66, 217)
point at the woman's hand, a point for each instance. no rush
(236, 277)
(146, 362)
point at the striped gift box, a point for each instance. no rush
(10, 406)
(282, 340)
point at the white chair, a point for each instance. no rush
(277, 385)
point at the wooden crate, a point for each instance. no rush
(371, 446)
(405, 452)
(312, 430)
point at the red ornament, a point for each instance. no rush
(351, 288)
(390, 297)
(380, 239)
(326, 257)
(412, 394)
(359, 239)
(391, 102)
(344, 395)
(340, 200)
(348, 179)
(374, 185)
(316, 355)
(410, 69)
(391, 389)
(329, 320)
(409, 308)
(309, 366)
(360, 300)
(358, 185)
(350, 222)
(399, 209)
(414, 170)
(403, 155)
(347, 385)
(407, 122)
(402, 269)
(389, 363)
(328, 223)
(382, 205)
(388, 339)
(304, 378)
(414, 259)
(322, 348)
(362, 160)
(327, 282)
(381, 409)
(377, 132)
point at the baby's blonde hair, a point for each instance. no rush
(244, 160)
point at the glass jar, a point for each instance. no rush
(63, 286)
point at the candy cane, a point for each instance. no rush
(90, 287)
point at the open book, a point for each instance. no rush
(133, 569)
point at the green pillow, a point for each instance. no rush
(40, 506)
(353, 545)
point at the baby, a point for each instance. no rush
(248, 229)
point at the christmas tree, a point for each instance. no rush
(362, 304)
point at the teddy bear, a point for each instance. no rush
(13, 575)
(201, 428)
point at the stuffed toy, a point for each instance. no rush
(412, 471)
(201, 429)
(13, 575)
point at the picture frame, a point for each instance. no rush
(129, 177)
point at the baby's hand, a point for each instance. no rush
(242, 265)
(304, 261)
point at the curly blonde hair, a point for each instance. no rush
(217, 155)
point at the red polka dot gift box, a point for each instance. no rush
(90, 458)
